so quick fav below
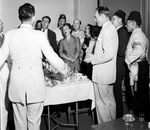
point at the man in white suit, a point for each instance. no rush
(27, 88)
(4, 74)
(104, 66)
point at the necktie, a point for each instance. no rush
(94, 48)
(3, 36)
(1, 39)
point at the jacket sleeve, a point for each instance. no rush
(4, 50)
(104, 49)
(52, 57)
(136, 50)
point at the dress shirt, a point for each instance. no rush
(59, 35)
(119, 27)
(45, 31)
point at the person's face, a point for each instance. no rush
(1, 26)
(45, 23)
(76, 24)
(130, 25)
(87, 30)
(38, 25)
(115, 21)
(66, 30)
(98, 18)
(61, 22)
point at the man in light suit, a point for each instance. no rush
(104, 66)
(4, 101)
(27, 88)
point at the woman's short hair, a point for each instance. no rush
(69, 25)
(91, 27)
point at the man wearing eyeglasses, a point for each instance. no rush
(104, 66)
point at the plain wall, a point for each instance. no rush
(52, 8)
(88, 12)
(82, 9)
(126, 5)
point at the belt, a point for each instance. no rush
(142, 59)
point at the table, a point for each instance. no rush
(68, 93)
(119, 124)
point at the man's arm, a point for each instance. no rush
(52, 57)
(4, 51)
(135, 53)
(104, 49)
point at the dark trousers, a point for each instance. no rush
(141, 96)
(118, 96)
(86, 69)
(128, 93)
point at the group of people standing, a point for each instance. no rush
(132, 65)
(118, 56)
(106, 53)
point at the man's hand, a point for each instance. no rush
(88, 58)
(69, 72)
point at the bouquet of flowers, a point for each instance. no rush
(51, 73)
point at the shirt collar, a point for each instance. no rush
(106, 23)
(137, 29)
(26, 26)
(119, 27)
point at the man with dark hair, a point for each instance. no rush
(136, 59)
(104, 66)
(46, 20)
(27, 88)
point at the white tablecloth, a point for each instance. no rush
(67, 93)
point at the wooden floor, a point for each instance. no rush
(85, 121)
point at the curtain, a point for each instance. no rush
(145, 12)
